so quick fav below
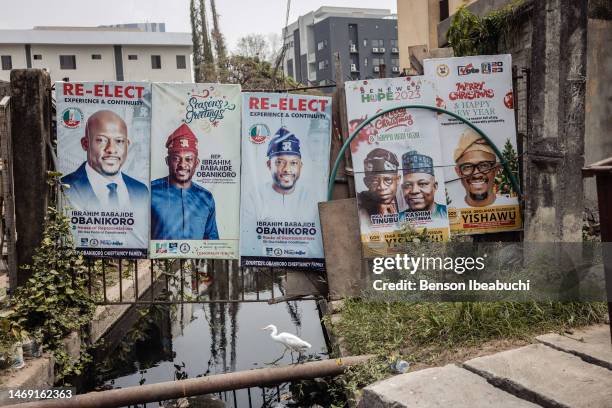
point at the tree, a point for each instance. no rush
(195, 39)
(502, 181)
(207, 70)
(253, 73)
(220, 48)
(253, 46)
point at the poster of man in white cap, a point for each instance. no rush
(285, 155)
(103, 151)
(479, 89)
(397, 163)
(195, 171)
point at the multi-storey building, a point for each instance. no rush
(366, 40)
(122, 53)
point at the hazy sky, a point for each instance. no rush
(237, 17)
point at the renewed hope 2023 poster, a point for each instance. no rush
(195, 171)
(103, 131)
(479, 89)
(397, 162)
(285, 169)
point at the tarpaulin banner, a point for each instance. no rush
(195, 171)
(285, 167)
(103, 132)
(399, 178)
(479, 89)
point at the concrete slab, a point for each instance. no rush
(37, 374)
(547, 377)
(448, 386)
(591, 344)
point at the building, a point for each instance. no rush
(366, 40)
(417, 23)
(119, 53)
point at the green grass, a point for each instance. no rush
(386, 328)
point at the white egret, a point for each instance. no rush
(290, 341)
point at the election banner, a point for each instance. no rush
(103, 131)
(195, 171)
(397, 162)
(285, 155)
(479, 89)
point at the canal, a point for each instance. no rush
(161, 343)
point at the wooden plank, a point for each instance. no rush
(8, 195)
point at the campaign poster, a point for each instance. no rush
(399, 178)
(195, 171)
(103, 132)
(285, 168)
(479, 89)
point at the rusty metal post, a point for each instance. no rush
(602, 171)
(199, 386)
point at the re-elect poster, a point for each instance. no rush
(195, 171)
(103, 132)
(399, 178)
(479, 89)
(285, 168)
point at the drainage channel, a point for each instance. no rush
(159, 343)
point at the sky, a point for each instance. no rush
(237, 17)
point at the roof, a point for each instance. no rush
(89, 37)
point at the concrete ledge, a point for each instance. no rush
(38, 373)
(547, 377)
(591, 344)
(448, 386)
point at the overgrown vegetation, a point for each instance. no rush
(470, 34)
(54, 301)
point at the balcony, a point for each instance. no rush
(353, 48)
(395, 50)
(354, 68)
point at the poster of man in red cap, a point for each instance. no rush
(103, 152)
(195, 170)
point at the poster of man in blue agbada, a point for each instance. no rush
(285, 152)
(103, 151)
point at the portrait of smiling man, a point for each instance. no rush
(181, 209)
(99, 180)
(381, 178)
(477, 166)
(419, 184)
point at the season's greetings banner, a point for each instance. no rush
(285, 153)
(397, 162)
(103, 132)
(479, 88)
(195, 171)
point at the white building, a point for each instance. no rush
(98, 54)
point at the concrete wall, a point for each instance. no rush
(140, 69)
(87, 69)
(18, 56)
(598, 132)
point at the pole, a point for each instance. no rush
(199, 386)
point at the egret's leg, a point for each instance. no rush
(278, 359)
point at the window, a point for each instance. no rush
(7, 62)
(180, 62)
(323, 64)
(67, 61)
(321, 45)
(365, 42)
(395, 62)
(37, 57)
(156, 61)
(394, 44)
(377, 62)
(378, 43)
(365, 62)
(132, 57)
(96, 56)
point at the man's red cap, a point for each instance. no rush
(182, 139)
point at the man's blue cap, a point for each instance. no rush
(284, 142)
(413, 162)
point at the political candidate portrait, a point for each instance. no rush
(381, 177)
(181, 209)
(419, 184)
(99, 181)
(476, 164)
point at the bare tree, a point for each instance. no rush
(253, 46)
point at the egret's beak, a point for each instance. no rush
(263, 328)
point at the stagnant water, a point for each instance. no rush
(197, 339)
